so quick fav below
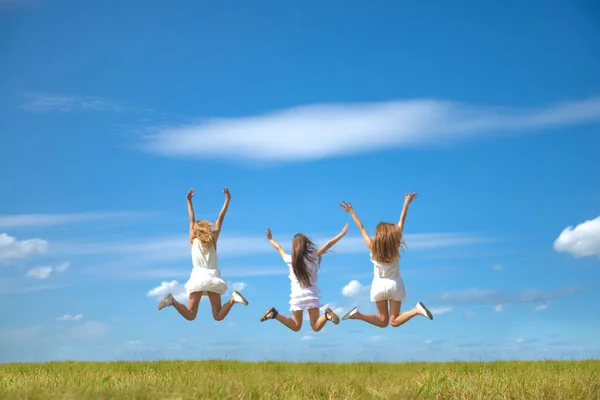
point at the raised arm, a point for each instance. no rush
(275, 244)
(410, 196)
(191, 213)
(332, 242)
(219, 223)
(348, 208)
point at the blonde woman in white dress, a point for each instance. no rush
(205, 278)
(387, 288)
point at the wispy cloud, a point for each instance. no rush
(11, 248)
(29, 220)
(499, 308)
(45, 271)
(172, 248)
(580, 241)
(494, 296)
(326, 130)
(440, 310)
(540, 307)
(69, 317)
(173, 287)
(45, 102)
(497, 267)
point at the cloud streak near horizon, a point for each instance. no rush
(29, 220)
(327, 130)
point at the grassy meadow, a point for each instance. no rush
(274, 380)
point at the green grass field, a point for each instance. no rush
(270, 380)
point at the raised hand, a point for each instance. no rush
(344, 230)
(347, 207)
(227, 194)
(410, 196)
(190, 194)
(269, 235)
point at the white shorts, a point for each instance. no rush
(388, 289)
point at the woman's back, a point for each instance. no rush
(203, 259)
(311, 267)
(386, 270)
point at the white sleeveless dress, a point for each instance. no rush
(303, 298)
(205, 276)
(387, 282)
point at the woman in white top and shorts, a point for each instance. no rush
(303, 265)
(387, 286)
(205, 278)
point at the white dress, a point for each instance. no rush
(205, 276)
(303, 298)
(387, 282)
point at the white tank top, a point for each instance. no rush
(385, 270)
(203, 259)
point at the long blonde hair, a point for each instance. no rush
(204, 232)
(387, 243)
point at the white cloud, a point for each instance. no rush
(44, 272)
(499, 308)
(307, 337)
(173, 287)
(580, 241)
(541, 307)
(43, 102)
(470, 314)
(31, 220)
(327, 130)
(353, 288)
(62, 267)
(68, 317)
(494, 296)
(231, 286)
(239, 286)
(40, 272)
(11, 248)
(497, 267)
(520, 340)
(440, 310)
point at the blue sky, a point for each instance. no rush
(111, 112)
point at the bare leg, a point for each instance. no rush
(382, 320)
(317, 321)
(294, 323)
(219, 311)
(398, 319)
(191, 310)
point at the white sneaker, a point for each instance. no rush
(424, 311)
(238, 298)
(350, 314)
(331, 316)
(166, 301)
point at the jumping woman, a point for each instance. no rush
(387, 288)
(205, 278)
(304, 264)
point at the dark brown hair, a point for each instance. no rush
(387, 243)
(302, 249)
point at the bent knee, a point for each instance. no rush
(385, 321)
(218, 317)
